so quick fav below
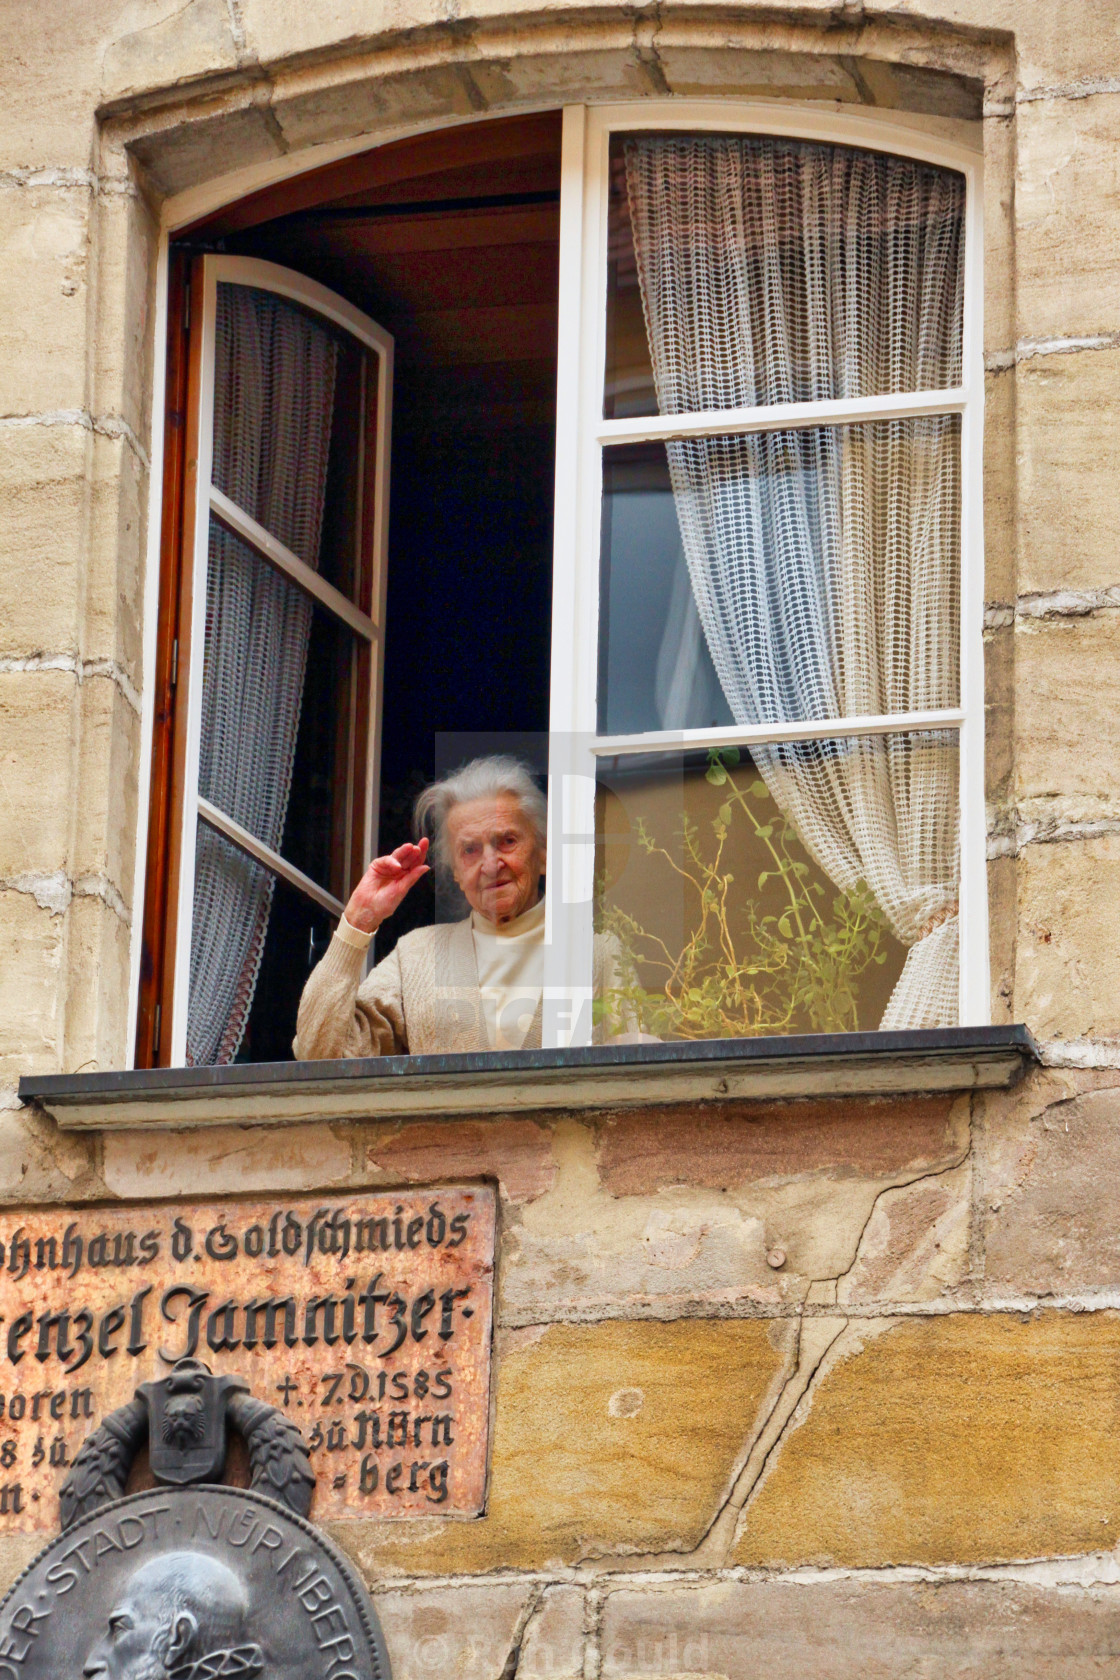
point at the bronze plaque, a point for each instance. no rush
(366, 1318)
(203, 1583)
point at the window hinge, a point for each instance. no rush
(175, 663)
(157, 1023)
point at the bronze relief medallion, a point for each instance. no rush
(196, 1583)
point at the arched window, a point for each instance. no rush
(741, 345)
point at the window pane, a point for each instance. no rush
(289, 434)
(810, 575)
(655, 668)
(809, 888)
(232, 908)
(352, 440)
(751, 269)
(316, 828)
(277, 680)
(298, 935)
(245, 1010)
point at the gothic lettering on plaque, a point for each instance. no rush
(365, 1318)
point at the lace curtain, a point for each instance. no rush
(824, 563)
(274, 380)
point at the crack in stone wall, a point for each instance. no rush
(56, 891)
(1055, 603)
(105, 425)
(594, 1640)
(520, 1633)
(647, 28)
(999, 361)
(83, 669)
(593, 1623)
(237, 32)
(1086, 87)
(819, 1330)
(815, 1338)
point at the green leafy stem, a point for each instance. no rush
(740, 972)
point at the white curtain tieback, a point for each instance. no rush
(942, 916)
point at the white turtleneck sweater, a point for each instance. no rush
(510, 958)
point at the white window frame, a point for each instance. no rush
(209, 502)
(582, 432)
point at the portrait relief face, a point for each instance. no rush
(182, 1614)
(134, 1645)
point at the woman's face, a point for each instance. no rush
(496, 857)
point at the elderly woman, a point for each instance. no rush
(469, 985)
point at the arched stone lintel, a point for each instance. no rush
(198, 131)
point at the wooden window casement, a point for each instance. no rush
(784, 286)
(271, 808)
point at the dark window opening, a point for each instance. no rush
(451, 243)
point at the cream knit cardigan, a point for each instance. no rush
(423, 999)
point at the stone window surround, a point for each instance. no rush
(154, 140)
(176, 213)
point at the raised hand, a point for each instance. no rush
(384, 884)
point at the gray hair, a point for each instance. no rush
(482, 778)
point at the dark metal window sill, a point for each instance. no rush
(817, 1065)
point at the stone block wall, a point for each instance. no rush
(825, 1388)
(891, 1450)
